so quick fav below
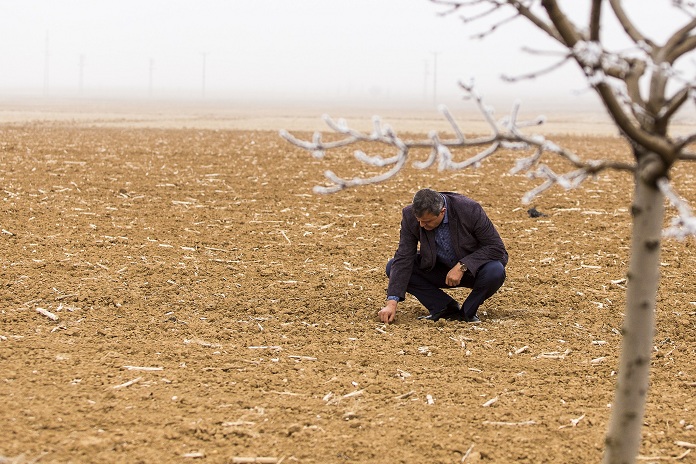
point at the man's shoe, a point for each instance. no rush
(457, 315)
(452, 312)
(473, 318)
(444, 314)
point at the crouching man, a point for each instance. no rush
(459, 247)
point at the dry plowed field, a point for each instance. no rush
(208, 307)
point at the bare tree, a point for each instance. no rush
(642, 90)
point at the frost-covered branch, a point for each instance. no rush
(687, 6)
(522, 9)
(505, 134)
(631, 83)
(682, 143)
(493, 27)
(535, 74)
(627, 24)
(684, 224)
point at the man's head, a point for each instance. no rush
(429, 208)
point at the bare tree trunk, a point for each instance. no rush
(624, 434)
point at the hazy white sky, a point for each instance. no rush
(266, 49)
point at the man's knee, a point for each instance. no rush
(389, 265)
(492, 274)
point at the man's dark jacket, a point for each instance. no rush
(474, 238)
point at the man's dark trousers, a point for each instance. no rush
(426, 286)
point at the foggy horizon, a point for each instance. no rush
(367, 53)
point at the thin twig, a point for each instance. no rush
(47, 313)
(129, 383)
(141, 368)
(513, 424)
(468, 452)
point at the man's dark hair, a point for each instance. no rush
(427, 201)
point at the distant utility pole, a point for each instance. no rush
(435, 77)
(152, 70)
(203, 78)
(81, 81)
(47, 55)
(425, 80)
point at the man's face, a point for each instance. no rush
(429, 221)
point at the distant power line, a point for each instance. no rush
(150, 78)
(435, 78)
(81, 78)
(203, 77)
(47, 60)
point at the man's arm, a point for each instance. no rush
(490, 245)
(405, 255)
(401, 267)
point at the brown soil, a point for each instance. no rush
(203, 256)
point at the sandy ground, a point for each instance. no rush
(208, 307)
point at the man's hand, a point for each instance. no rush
(388, 313)
(454, 276)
